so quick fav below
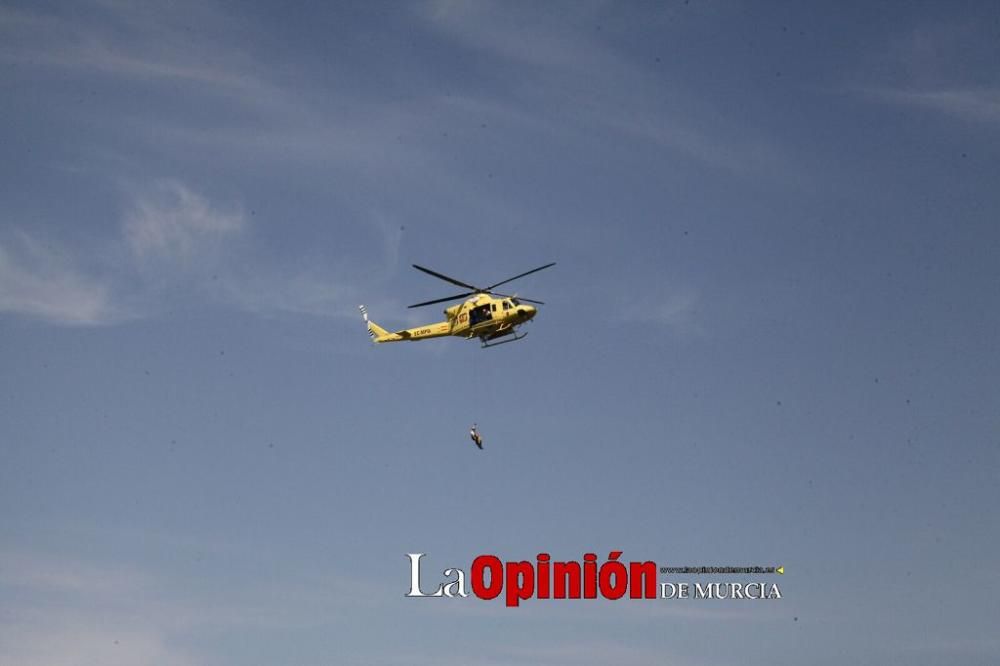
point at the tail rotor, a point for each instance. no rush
(364, 315)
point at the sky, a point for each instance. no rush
(770, 337)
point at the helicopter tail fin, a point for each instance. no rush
(374, 330)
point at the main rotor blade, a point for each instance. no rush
(519, 276)
(446, 278)
(442, 300)
(520, 298)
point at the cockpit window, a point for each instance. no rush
(514, 301)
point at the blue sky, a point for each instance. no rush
(771, 336)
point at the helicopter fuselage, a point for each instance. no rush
(482, 316)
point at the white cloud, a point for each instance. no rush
(972, 105)
(508, 33)
(42, 573)
(67, 611)
(78, 613)
(593, 652)
(175, 223)
(299, 293)
(173, 238)
(72, 639)
(561, 63)
(40, 282)
(936, 67)
(672, 308)
(564, 653)
(141, 41)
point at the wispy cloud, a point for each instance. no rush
(61, 638)
(172, 237)
(39, 281)
(75, 612)
(980, 105)
(939, 68)
(65, 611)
(561, 62)
(178, 237)
(958, 648)
(172, 222)
(296, 293)
(41, 573)
(518, 33)
(594, 652)
(674, 309)
(139, 41)
(564, 653)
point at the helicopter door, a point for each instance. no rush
(479, 315)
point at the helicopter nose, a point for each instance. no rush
(527, 311)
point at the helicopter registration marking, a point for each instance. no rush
(422, 331)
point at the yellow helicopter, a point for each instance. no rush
(487, 315)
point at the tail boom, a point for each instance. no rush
(379, 334)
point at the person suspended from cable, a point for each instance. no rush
(476, 437)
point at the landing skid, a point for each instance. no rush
(502, 342)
